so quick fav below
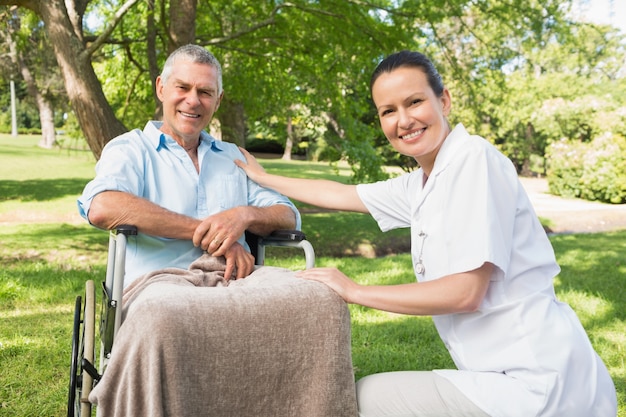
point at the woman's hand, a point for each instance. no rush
(334, 278)
(252, 168)
(457, 293)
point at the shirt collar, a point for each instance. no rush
(447, 152)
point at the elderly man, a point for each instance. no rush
(192, 343)
(178, 185)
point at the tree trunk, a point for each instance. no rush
(93, 112)
(233, 122)
(289, 141)
(153, 66)
(46, 114)
(46, 117)
(182, 23)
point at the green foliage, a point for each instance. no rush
(365, 163)
(325, 150)
(27, 32)
(26, 112)
(72, 137)
(565, 84)
(593, 171)
(521, 73)
(575, 119)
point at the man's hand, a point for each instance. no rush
(217, 233)
(238, 257)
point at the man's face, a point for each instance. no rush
(190, 98)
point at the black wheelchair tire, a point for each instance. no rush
(74, 366)
(87, 347)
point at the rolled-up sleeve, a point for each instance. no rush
(263, 197)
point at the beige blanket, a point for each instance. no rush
(193, 344)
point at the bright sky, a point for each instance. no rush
(612, 12)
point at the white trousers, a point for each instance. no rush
(412, 394)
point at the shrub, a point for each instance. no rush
(594, 171)
(264, 146)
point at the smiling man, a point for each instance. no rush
(178, 185)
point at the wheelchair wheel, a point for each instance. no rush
(71, 398)
(83, 349)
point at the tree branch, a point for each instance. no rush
(29, 4)
(101, 39)
(267, 22)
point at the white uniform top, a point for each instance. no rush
(523, 353)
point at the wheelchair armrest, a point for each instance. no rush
(257, 244)
(285, 238)
(125, 229)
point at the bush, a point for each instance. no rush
(593, 171)
(264, 146)
(324, 150)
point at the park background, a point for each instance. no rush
(544, 80)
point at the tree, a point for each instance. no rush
(40, 89)
(276, 55)
(64, 28)
(561, 90)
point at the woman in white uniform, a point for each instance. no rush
(483, 263)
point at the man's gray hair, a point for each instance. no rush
(196, 54)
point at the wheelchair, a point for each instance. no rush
(84, 373)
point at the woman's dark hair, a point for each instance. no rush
(410, 59)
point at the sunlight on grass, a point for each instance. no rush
(20, 152)
(37, 310)
(307, 169)
(17, 345)
(587, 306)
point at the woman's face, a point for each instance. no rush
(411, 116)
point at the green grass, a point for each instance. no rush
(44, 263)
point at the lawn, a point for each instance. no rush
(47, 253)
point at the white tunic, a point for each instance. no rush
(523, 353)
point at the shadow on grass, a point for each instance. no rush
(49, 263)
(338, 234)
(40, 189)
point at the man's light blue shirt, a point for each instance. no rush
(150, 164)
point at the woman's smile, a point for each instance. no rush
(409, 136)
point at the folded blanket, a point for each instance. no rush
(195, 344)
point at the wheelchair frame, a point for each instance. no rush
(83, 372)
